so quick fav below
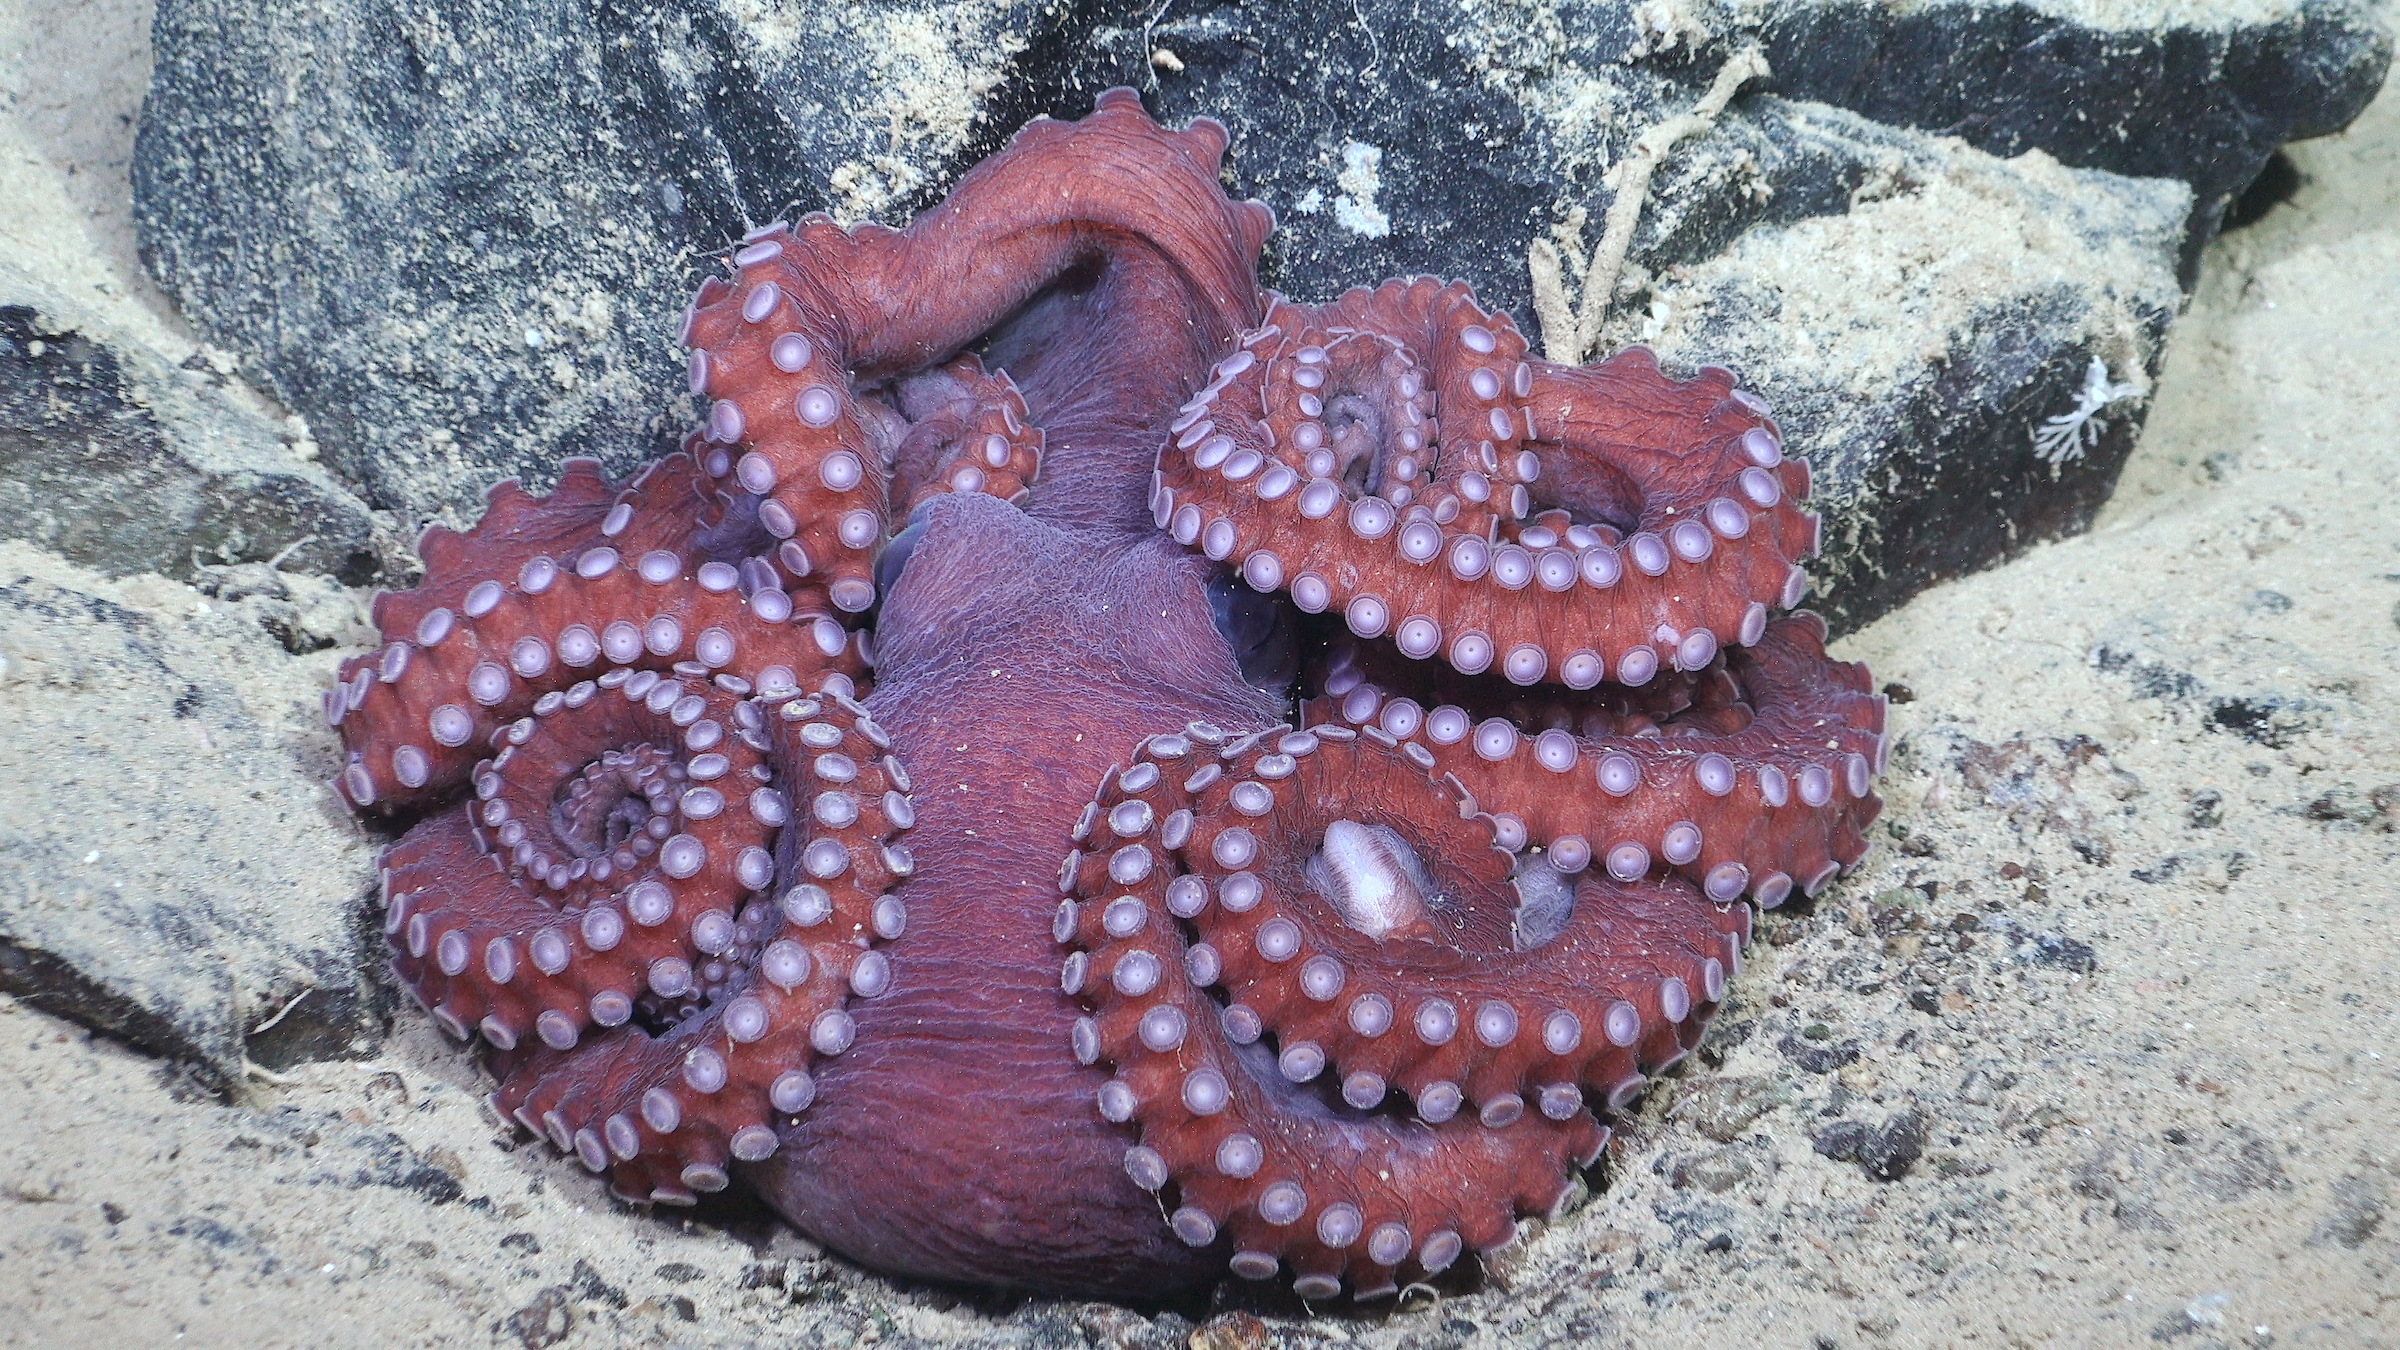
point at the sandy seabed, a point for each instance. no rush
(2127, 945)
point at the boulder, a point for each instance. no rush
(173, 868)
(116, 459)
(458, 238)
(459, 241)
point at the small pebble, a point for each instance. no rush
(1841, 1140)
(1896, 1147)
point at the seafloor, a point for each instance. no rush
(2144, 802)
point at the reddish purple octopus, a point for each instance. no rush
(1083, 775)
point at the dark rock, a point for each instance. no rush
(174, 871)
(1923, 451)
(302, 612)
(1983, 1084)
(1897, 910)
(2062, 953)
(1817, 1058)
(1230, 1331)
(2271, 722)
(388, 1162)
(1104, 1326)
(2239, 1162)
(2158, 662)
(501, 206)
(1841, 1140)
(123, 463)
(547, 1320)
(1920, 421)
(589, 1286)
(2164, 870)
(1722, 1036)
(1891, 1151)
(2205, 95)
(2343, 803)
(457, 237)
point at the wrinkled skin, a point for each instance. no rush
(1008, 648)
(1021, 1184)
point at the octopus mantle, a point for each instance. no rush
(1084, 776)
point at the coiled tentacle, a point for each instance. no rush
(1278, 934)
(1395, 457)
(968, 431)
(601, 837)
(754, 851)
(546, 593)
(1499, 887)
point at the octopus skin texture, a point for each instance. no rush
(1085, 776)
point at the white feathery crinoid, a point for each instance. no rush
(2063, 437)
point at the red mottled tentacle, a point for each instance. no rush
(665, 505)
(1763, 782)
(1360, 919)
(1692, 473)
(1383, 456)
(752, 982)
(1606, 540)
(796, 348)
(605, 835)
(604, 891)
(785, 424)
(969, 432)
(534, 600)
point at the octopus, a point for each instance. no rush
(1082, 775)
